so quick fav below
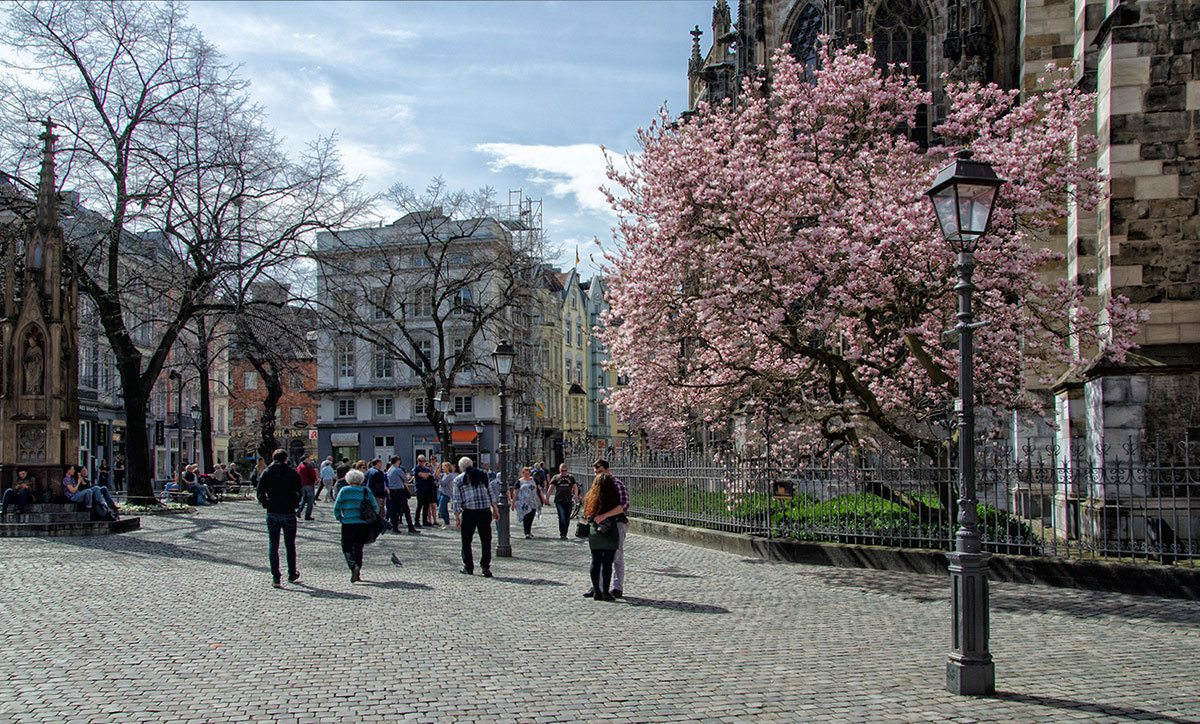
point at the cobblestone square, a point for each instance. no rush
(178, 623)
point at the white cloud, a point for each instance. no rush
(577, 170)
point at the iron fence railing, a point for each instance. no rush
(1137, 504)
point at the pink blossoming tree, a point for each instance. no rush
(778, 259)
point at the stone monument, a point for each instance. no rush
(39, 365)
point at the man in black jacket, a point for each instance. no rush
(279, 493)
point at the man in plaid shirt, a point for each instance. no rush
(473, 496)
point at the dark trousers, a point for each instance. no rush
(564, 518)
(424, 498)
(398, 506)
(285, 522)
(354, 537)
(527, 521)
(602, 567)
(307, 495)
(473, 520)
(20, 498)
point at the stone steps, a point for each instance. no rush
(60, 519)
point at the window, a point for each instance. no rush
(424, 347)
(902, 36)
(421, 303)
(622, 380)
(346, 408)
(567, 377)
(295, 414)
(383, 407)
(462, 300)
(579, 372)
(804, 37)
(385, 445)
(382, 366)
(464, 405)
(421, 261)
(459, 345)
(380, 304)
(345, 360)
(250, 416)
(249, 380)
(579, 334)
(567, 333)
(295, 381)
(419, 407)
(602, 414)
(460, 259)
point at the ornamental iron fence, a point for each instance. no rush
(1140, 503)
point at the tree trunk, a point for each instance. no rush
(139, 464)
(202, 369)
(269, 443)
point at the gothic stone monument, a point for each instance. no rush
(39, 367)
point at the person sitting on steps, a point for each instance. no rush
(95, 498)
(19, 495)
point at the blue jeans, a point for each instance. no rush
(444, 507)
(96, 498)
(285, 522)
(564, 518)
(307, 496)
(19, 498)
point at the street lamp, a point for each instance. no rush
(195, 425)
(175, 375)
(963, 196)
(502, 359)
(441, 403)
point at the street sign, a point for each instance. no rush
(312, 434)
(160, 432)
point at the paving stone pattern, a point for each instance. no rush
(178, 623)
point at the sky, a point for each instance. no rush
(511, 95)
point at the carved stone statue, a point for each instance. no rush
(34, 364)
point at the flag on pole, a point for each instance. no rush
(577, 255)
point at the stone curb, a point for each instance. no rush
(1148, 579)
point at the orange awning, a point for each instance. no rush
(463, 437)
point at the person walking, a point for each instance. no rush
(279, 493)
(473, 497)
(602, 508)
(398, 494)
(376, 482)
(339, 477)
(325, 476)
(352, 499)
(565, 490)
(618, 580)
(308, 487)
(526, 500)
(446, 491)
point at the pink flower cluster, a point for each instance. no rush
(779, 258)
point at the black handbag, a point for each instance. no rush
(582, 528)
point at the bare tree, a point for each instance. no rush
(425, 292)
(161, 140)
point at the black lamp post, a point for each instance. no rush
(175, 375)
(963, 196)
(195, 426)
(502, 359)
(441, 403)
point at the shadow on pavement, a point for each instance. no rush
(1113, 710)
(141, 546)
(672, 572)
(674, 605)
(529, 581)
(324, 592)
(403, 585)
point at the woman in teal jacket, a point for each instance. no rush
(348, 508)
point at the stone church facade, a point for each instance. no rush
(1142, 59)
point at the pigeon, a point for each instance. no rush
(396, 560)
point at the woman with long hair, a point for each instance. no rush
(602, 509)
(526, 500)
(445, 491)
(351, 500)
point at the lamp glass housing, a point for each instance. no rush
(502, 358)
(964, 196)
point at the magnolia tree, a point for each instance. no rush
(778, 259)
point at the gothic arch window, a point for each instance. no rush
(901, 35)
(803, 37)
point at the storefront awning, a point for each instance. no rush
(463, 437)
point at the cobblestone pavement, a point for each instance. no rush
(178, 623)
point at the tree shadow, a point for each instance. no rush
(671, 572)
(141, 546)
(667, 605)
(1111, 710)
(529, 581)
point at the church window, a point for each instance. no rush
(901, 35)
(803, 37)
